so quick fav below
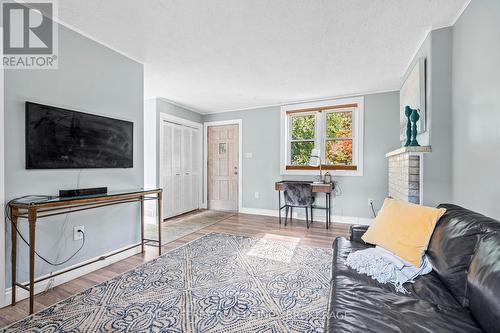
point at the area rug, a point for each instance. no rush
(217, 283)
(185, 225)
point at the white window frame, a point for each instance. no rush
(357, 128)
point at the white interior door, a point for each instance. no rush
(180, 168)
(167, 168)
(222, 173)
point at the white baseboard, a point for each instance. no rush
(317, 217)
(71, 275)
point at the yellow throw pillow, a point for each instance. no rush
(404, 229)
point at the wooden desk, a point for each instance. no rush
(32, 208)
(316, 188)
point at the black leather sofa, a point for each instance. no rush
(461, 294)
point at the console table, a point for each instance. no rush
(35, 207)
(316, 188)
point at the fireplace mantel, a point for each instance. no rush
(415, 150)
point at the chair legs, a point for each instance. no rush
(289, 212)
(286, 214)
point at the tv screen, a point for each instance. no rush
(63, 139)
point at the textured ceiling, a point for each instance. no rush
(232, 54)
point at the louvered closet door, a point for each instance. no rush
(177, 170)
(187, 157)
(195, 168)
(181, 168)
(166, 165)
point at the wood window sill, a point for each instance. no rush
(323, 167)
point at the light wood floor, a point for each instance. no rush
(240, 224)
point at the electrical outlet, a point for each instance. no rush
(370, 201)
(77, 235)
(256, 194)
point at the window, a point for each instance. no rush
(333, 127)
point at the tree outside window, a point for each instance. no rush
(302, 138)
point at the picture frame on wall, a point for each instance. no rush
(413, 94)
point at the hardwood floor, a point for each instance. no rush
(239, 224)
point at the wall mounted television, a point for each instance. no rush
(57, 138)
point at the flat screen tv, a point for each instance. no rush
(63, 139)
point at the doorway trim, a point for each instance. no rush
(206, 125)
(184, 122)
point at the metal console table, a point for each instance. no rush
(35, 207)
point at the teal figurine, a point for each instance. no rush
(414, 117)
(408, 112)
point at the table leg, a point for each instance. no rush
(327, 211)
(160, 195)
(279, 206)
(142, 224)
(14, 212)
(32, 227)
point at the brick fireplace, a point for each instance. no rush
(406, 173)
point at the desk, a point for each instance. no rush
(34, 207)
(316, 188)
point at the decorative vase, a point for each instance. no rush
(408, 112)
(414, 118)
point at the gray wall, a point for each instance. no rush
(476, 108)
(94, 79)
(437, 49)
(261, 137)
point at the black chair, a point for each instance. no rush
(298, 195)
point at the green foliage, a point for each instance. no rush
(338, 125)
(301, 152)
(303, 127)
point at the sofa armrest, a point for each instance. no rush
(356, 232)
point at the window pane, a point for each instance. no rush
(303, 127)
(339, 125)
(300, 152)
(339, 152)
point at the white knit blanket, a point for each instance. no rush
(385, 267)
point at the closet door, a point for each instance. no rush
(196, 168)
(166, 180)
(187, 157)
(176, 192)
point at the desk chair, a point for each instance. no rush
(298, 195)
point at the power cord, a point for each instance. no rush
(24, 240)
(373, 209)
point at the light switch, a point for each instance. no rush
(248, 155)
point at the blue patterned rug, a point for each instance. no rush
(217, 283)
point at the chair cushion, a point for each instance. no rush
(360, 304)
(483, 281)
(404, 229)
(453, 243)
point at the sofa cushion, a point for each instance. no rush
(360, 304)
(483, 281)
(453, 243)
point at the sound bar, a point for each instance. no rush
(82, 192)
